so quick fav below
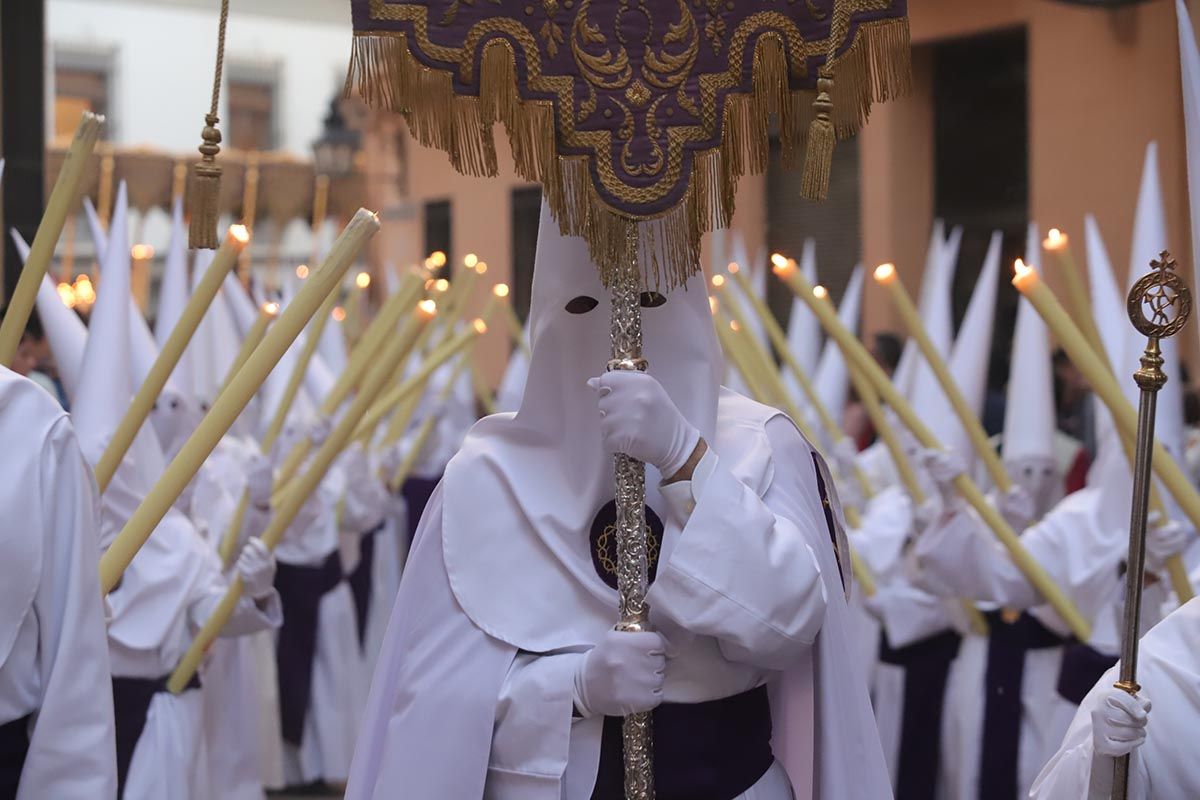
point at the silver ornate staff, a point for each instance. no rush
(632, 570)
(1163, 294)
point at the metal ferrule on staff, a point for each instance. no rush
(1164, 296)
(632, 565)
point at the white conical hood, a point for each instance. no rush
(64, 329)
(1150, 238)
(512, 383)
(906, 367)
(1029, 412)
(832, 379)
(804, 332)
(968, 360)
(936, 308)
(1189, 59)
(243, 309)
(1108, 304)
(332, 346)
(99, 235)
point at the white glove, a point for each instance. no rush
(943, 466)
(256, 566)
(1119, 724)
(319, 431)
(1016, 506)
(845, 457)
(621, 675)
(638, 418)
(391, 459)
(1165, 539)
(260, 479)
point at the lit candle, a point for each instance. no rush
(266, 313)
(41, 252)
(887, 276)
(1104, 384)
(869, 369)
(230, 403)
(295, 497)
(1056, 242)
(170, 353)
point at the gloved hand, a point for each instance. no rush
(256, 566)
(1119, 724)
(260, 479)
(1016, 506)
(621, 675)
(390, 460)
(1165, 538)
(944, 466)
(319, 431)
(638, 418)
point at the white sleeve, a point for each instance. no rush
(71, 748)
(366, 497)
(742, 570)
(248, 617)
(908, 614)
(959, 557)
(534, 719)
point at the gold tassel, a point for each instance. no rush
(204, 192)
(814, 185)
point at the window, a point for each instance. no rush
(251, 123)
(833, 224)
(526, 212)
(81, 83)
(981, 168)
(438, 231)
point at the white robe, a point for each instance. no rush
(509, 714)
(1164, 767)
(169, 590)
(53, 653)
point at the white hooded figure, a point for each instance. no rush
(56, 714)
(1112, 723)
(804, 332)
(173, 583)
(512, 383)
(503, 677)
(832, 379)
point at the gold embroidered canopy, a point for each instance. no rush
(633, 112)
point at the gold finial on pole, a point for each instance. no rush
(1159, 305)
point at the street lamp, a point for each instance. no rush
(334, 152)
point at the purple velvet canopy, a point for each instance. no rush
(630, 111)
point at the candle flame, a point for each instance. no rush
(302, 271)
(142, 252)
(338, 313)
(240, 232)
(480, 326)
(427, 308)
(500, 290)
(362, 280)
(733, 268)
(778, 260)
(85, 293)
(783, 267)
(481, 267)
(66, 294)
(270, 308)
(470, 260)
(885, 273)
(1023, 273)
(441, 284)
(1055, 240)
(820, 292)
(713, 305)
(718, 281)
(733, 326)
(437, 258)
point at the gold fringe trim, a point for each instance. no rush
(876, 67)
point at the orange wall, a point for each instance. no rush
(1102, 85)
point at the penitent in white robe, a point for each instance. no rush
(1081, 552)
(166, 594)
(457, 710)
(53, 652)
(1165, 767)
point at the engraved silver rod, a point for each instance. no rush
(630, 474)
